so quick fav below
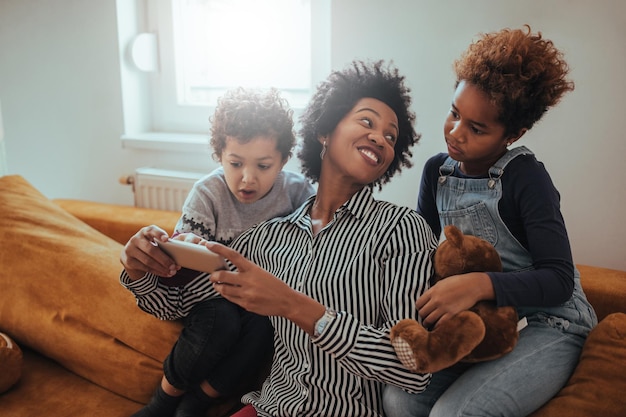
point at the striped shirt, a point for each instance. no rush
(370, 264)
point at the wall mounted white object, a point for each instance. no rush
(144, 52)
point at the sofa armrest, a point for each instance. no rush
(605, 289)
(119, 222)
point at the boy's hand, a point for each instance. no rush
(141, 254)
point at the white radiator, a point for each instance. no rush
(162, 189)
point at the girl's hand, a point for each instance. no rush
(141, 254)
(453, 295)
(258, 291)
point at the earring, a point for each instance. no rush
(323, 150)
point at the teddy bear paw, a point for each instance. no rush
(404, 352)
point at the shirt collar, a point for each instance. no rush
(358, 205)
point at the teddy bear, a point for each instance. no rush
(484, 332)
(10, 362)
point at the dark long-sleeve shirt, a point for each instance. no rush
(530, 209)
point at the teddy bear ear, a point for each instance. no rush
(453, 235)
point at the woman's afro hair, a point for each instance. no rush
(338, 94)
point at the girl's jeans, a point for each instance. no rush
(221, 343)
(544, 353)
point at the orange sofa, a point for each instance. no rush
(89, 351)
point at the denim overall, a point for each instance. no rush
(548, 347)
(472, 205)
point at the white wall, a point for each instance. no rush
(61, 100)
(3, 160)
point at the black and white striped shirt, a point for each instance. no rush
(370, 263)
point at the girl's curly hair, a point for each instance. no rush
(246, 114)
(338, 94)
(522, 73)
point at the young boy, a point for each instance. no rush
(221, 344)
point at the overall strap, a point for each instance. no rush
(446, 169)
(497, 170)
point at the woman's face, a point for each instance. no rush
(473, 134)
(361, 147)
(251, 168)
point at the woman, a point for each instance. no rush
(335, 275)
(505, 83)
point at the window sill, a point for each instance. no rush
(164, 141)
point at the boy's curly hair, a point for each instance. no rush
(522, 73)
(338, 94)
(245, 114)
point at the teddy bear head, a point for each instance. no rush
(461, 253)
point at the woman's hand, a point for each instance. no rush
(251, 287)
(453, 295)
(141, 254)
(256, 290)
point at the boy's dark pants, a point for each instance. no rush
(221, 343)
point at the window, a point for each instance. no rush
(201, 48)
(221, 44)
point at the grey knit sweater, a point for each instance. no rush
(213, 212)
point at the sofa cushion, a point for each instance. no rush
(49, 390)
(598, 385)
(60, 295)
(10, 362)
(605, 289)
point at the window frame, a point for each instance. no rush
(152, 117)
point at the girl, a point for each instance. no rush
(505, 83)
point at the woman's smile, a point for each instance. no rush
(370, 155)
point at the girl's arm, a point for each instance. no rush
(531, 211)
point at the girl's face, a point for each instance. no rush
(361, 147)
(251, 168)
(472, 131)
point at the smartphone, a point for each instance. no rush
(192, 256)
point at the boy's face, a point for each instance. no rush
(251, 168)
